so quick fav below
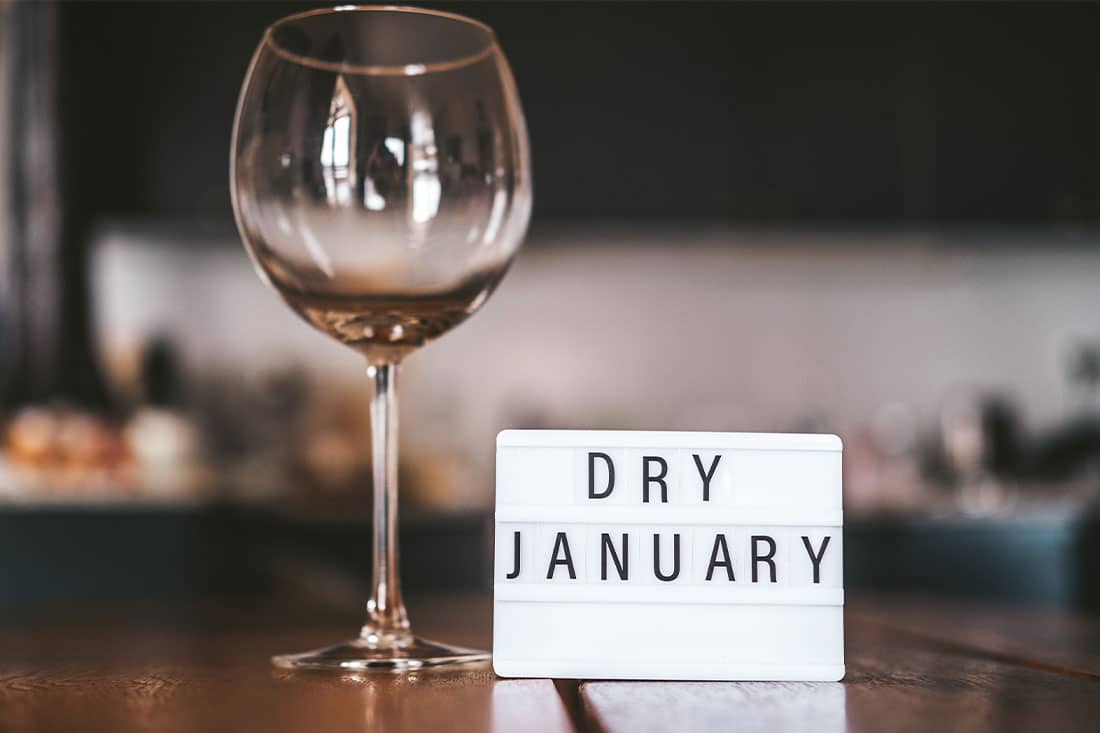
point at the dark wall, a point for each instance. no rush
(880, 113)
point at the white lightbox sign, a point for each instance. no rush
(668, 555)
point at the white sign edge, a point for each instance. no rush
(512, 438)
(669, 672)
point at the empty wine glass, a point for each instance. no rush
(381, 184)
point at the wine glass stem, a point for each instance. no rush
(387, 622)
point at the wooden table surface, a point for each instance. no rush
(911, 667)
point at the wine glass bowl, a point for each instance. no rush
(381, 183)
(380, 171)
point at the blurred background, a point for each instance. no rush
(878, 220)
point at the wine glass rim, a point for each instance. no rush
(381, 70)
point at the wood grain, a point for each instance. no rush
(895, 682)
(911, 667)
(214, 675)
(1044, 638)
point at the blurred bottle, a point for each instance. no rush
(45, 349)
(163, 438)
(1084, 376)
(966, 449)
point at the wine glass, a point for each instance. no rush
(381, 183)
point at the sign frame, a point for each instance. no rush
(617, 557)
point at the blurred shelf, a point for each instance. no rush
(103, 503)
(53, 551)
(1044, 558)
(68, 551)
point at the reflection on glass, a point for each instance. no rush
(338, 146)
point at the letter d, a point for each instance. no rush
(592, 493)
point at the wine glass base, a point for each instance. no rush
(361, 656)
